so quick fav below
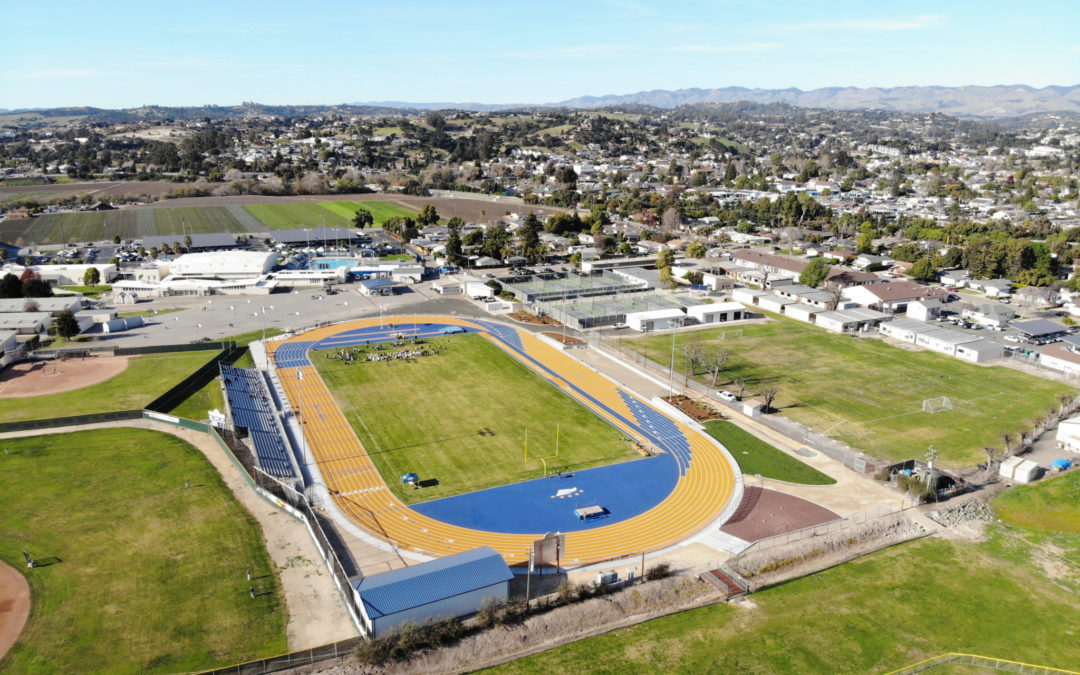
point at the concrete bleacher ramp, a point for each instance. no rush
(663, 500)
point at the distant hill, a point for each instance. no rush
(970, 101)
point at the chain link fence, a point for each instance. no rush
(981, 662)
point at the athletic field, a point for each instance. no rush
(146, 575)
(461, 418)
(145, 378)
(869, 394)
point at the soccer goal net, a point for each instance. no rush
(936, 405)
(730, 334)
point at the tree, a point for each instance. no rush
(717, 363)
(453, 246)
(768, 394)
(665, 258)
(35, 287)
(740, 385)
(436, 120)
(92, 277)
(66, 325)
(10, 286)
(815, 273)
(116, 239)
(694, 357)
(529, 235)
(923, 270)
(187, 242)
(667, 278)
(363, 218)
(428, 216)
(696, 250)
(864, 243)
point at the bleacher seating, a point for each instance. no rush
(252, 410)
(292, 354)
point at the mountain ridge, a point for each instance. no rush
(1004, 100)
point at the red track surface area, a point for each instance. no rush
(359, 491)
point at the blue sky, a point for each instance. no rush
(124, 54)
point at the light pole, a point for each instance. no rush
(671, 368)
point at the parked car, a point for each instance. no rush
(1013, 338)
(727, 396)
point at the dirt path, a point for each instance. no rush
(14, 606)
(316, 614)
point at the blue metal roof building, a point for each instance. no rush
(453, 586)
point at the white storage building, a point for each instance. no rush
(457, 585)
(747, 296)
(717, 313)
(774, 303)
(657, 319)
(1018, 469)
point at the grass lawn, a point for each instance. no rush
(1048, 505)
(460, 417)
(398, 256)
(89, 291)
(151, 576)
(146, 377)
(296, 215)
(869, 394)
(756, 457)
(151, 312)
(877, 614)
(198, 404)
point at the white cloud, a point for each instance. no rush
(885, 24)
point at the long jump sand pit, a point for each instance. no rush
(14, 606)
(41, 378)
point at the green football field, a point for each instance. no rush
(145, 575)
(146, 377)
(869, 394)
(461, 418)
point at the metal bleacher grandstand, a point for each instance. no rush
(252, 409)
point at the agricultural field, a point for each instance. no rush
(139, 574)
(880, 411)
(756, 457)
(296, 215)
(146, 377)
(876, 614)
(461, 417)
(380, 210)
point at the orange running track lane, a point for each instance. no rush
(699, 497)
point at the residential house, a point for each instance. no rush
(990, 314)
(892, 297)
